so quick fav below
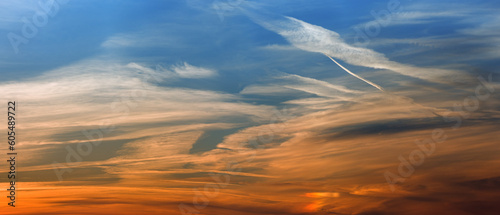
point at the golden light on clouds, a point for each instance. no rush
(323, 195)
(274, 128)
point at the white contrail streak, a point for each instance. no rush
(403, 98)
(357, 76)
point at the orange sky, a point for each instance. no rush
(317, 163)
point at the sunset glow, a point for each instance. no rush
(249, 107)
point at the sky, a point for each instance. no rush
(243, 107)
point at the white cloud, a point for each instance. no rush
(291, 84)
(412, 18)
(279, 47)
(479, 37)
(86, 94)
(321, 88)
(189, 71)
(274, 90)
(317, 39)
(148, 38)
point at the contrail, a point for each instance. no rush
(382, 89)
(357, 76)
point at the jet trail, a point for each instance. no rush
(402, 98)
(357, 76)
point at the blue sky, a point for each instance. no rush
(165, 32)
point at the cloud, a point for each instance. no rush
(266, 90)
(86, 94)
(189, 71)
(484, 36)
(279, 47)
(325, 153)
(415, 18)
(314, 38)
(121, 41)
(473, 30)
(317, 39)
(147, 39)
(329, 159)
(296, 88)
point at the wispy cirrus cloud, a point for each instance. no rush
(328, 158)
(473, 29)
(317, 39)
(144, 39)
(189, 71)
(85, 94)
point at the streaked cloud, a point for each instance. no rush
(204, 104)
(317, 39)
(189, 71)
